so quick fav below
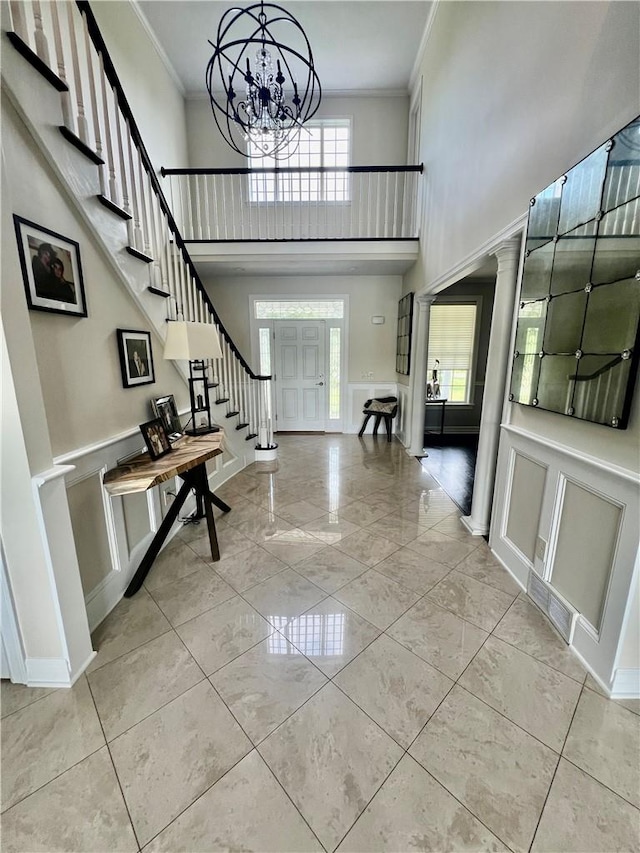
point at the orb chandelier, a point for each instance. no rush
(261, 109)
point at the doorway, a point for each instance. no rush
(301, 342)
(457, 348)
(300, 371)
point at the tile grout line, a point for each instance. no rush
(535, 832)
(115, 769)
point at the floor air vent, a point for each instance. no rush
(560, 614)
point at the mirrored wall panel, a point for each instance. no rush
(403, 341)
(578, 327)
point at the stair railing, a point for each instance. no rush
(63, 42)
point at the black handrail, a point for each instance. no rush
(114, 80)
(291, 170)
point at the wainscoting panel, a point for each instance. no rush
(580, 515)
(135, 511)
(89, 530)
(357, 394)
(584, 554)
(525, 504)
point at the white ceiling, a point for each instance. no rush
(357, 45)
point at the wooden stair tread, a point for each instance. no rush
(158, 291)
(34, 60)
(80, 146)
(113, 207)
(139, 255)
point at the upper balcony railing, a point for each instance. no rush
(296, 203)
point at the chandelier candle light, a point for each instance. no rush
(268, 115)
(195, 342)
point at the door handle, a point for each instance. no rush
(319, 383)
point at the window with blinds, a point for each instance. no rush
(452, 331)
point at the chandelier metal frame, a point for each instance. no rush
(266, 116)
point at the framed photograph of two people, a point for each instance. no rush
(51, 270)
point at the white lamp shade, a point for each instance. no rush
(191, 341)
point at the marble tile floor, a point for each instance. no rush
(357, 673)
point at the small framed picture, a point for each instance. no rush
(51, 269)
(156, 438)
(165, 409)
(136, 358)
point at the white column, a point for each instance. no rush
(419, 373)
(508, 255)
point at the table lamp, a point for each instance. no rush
(195, 342)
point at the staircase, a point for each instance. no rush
(84, 125)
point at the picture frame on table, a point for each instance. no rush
(156, 438)
(165, 409)
(51, 269)
(136, 358)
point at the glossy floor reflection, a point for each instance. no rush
(356, 673)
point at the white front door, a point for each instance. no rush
(300, 382)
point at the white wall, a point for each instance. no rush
(372, 349)
(77, 358)
(512, 95)
(152, 92)
(379, 131)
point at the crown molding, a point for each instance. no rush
(415, 71)
(158, 47)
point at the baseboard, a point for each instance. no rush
(626, 684)
(48, 672)
(475, 531)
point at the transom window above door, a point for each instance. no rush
(299, 309)
(321, 143)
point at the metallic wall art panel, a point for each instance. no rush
(578, 327)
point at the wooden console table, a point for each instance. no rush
(186, 460)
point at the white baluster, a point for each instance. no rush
(398, 178)
(83, 127)
(144, 219)
(135, 205)
(207, 222)
(93, 100)
(19, 19)
(214, 228)
(123, 168)
(65, 97)
(198, 208)
(39, 37)
(188, 221)
(112, 192)
(224, 206)
(228, 355)
(156, 239)
(174, 279)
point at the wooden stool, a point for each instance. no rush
(379, 408)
